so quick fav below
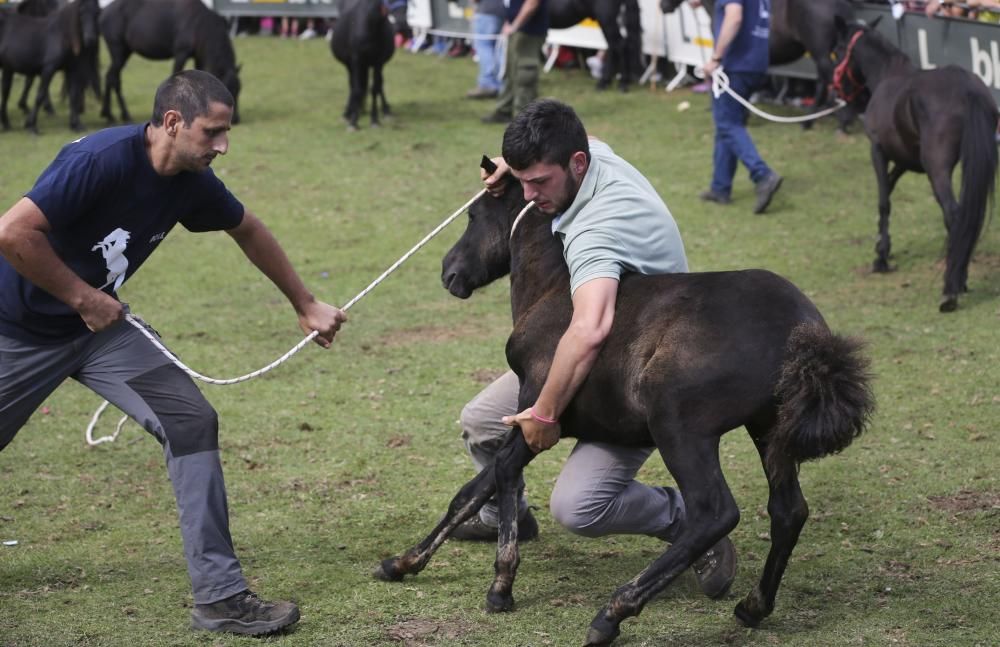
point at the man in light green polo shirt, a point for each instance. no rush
(611, 221)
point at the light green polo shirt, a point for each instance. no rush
(617, 224)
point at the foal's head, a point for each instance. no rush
(482, 254)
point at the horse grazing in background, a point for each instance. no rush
(624, 55)
(167, 29)
(924, 121)
(362, 41)
(689, 357)
(65, 40)
(799, 27)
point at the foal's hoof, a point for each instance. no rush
(387, 571)
(747, 614)
(949, 303)
(497, 603)
(601, 633)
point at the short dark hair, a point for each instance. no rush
(190, 92)
(546, 131)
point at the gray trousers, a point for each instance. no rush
(127, 370)
(596, 493)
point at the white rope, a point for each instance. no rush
(144, 329)
(720, 84)
(517, 220)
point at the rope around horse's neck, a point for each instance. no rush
(517, 220)
(144, 329)
(720, 84)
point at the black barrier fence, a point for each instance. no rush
(936, 42)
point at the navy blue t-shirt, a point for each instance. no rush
(537, 25)
(108, 210)
(748, 51)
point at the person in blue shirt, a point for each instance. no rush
(93, 217)
(741, 29)
(526, 26)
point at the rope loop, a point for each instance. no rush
(151, 335)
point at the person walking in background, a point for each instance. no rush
(740, 29)
(526, 26)
(93, 217)
(487, 23)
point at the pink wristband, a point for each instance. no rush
(542, 419)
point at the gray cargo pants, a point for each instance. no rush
(127, 370)
(596, 493)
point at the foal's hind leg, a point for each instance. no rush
(788, 511)
(886, 182)
(939, 173)
(711, 513)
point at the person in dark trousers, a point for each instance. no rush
(92, 218)
(526, 26)
(741, 29)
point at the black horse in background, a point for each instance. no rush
(924, 121)
(362, 41)
(167, 29)
(39, 9)
(689, 357)
(799, 27)
(66, 40)
(624, 56)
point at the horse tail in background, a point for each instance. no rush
(824, 395)
(979, 170)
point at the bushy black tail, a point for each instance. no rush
(979, 170)
(825, 397)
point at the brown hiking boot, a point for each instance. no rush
(716, 569)
(475, 529)
(244, 613)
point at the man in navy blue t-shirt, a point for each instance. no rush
(741, 29)
(93, 217)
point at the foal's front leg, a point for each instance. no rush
(508, 467)
(466, 503)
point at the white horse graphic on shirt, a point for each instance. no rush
(113, 249)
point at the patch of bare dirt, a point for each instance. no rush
(967, 501)
(434, 334)
(420, 632)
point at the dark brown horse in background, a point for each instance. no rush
(624, 55)
(363, 41)
(39, 9)
(66, 40)
(799, 27)
(167, 29)
(924, 121)
(689, 357)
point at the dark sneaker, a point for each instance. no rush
(765, 190)
(244, 613)
(481, 93)
(712, 196)
(716, 569)
(475, 529)
(496, 118)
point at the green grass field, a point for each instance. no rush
(341, 458)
